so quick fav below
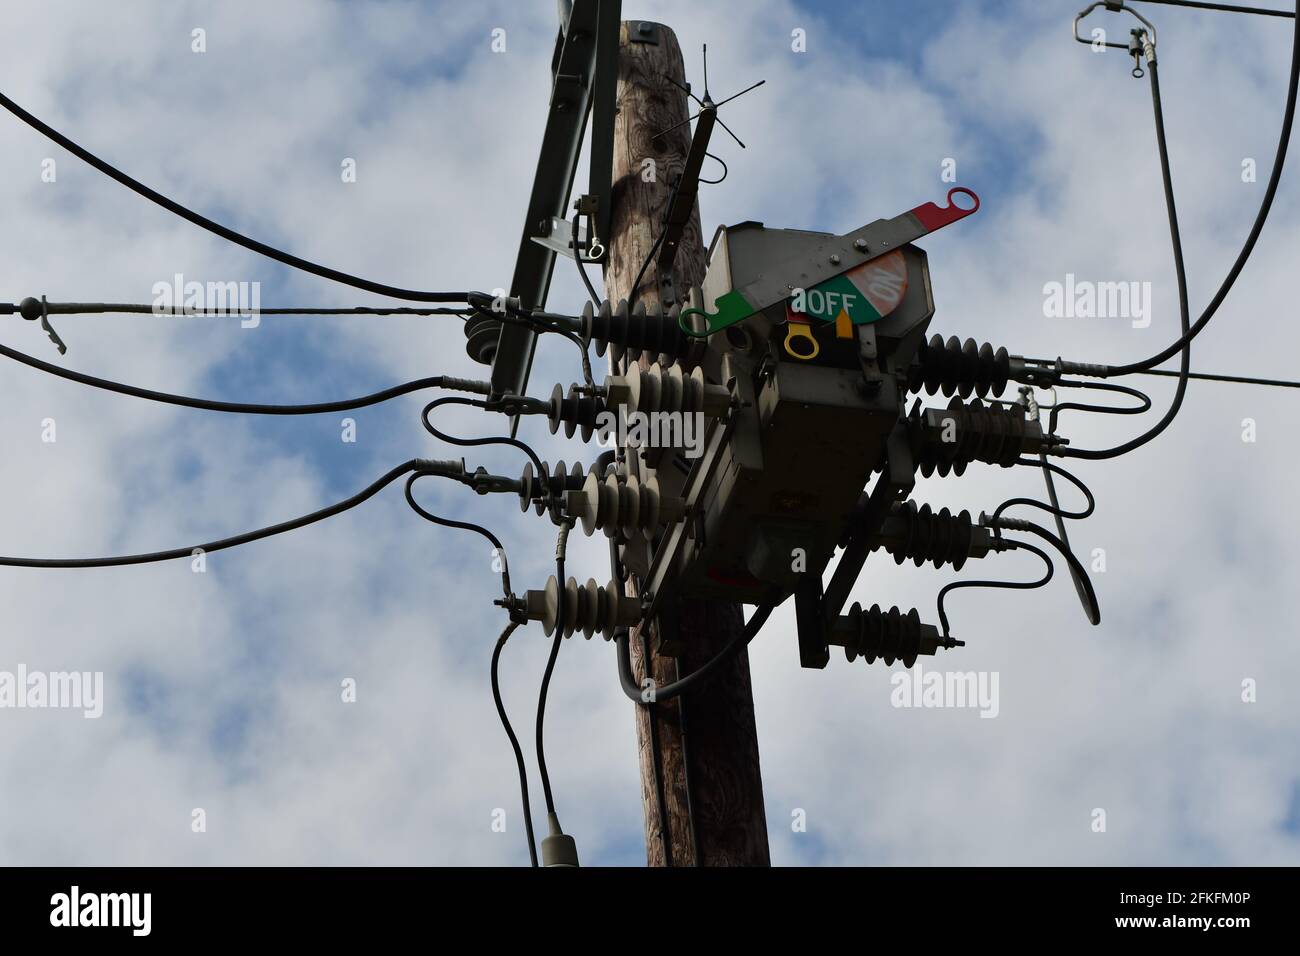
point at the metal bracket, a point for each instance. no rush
(49, 329)
(663, 565)
(895, 483)
(584, 75)
(1114, 7)
(688, 187)
(559, 237)
(814, 649)
(589, 207)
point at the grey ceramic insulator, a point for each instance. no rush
(666, 388)
(631, 505)
(588, 608)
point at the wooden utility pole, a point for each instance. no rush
(706, 738)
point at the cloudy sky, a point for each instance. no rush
(222, 689)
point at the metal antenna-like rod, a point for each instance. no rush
(741, 93)
(707, 103)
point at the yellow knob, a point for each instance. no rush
(800, 342)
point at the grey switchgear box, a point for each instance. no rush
(823, 378)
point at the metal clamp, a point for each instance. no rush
(29, 312)
(1115, 8)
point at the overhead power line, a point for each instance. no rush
(1239, 379)
(414, 465)
(1225, 7)
(246, 408)
(1174, 373)
(203, 222)
(30, 308)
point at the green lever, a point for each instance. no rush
(732, 308)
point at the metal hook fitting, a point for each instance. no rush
(27, 311)
(1115, 7)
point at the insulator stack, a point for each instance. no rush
(889, 635)
(577, 413)
(615, 503)
(650, 332)
(587, 608)
(954, 367)
(666, 388)
(941, 537)
(948, 440)
(537, 489)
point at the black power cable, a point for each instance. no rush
(31, 308)
(561, 544)
(627, 680)
(514, 741)
(1167, 372)
(1257, 227)
(463, 526)
(1223, 7)
(669, 691)
(474, 442)
(1233, 379)
(1184, 344)
(582, 268)
(530, 320)
(515, 622)
(1143, 398)
(414, 465)
(1051, 509)
(245, 408)
(323, 272)
(1014, 585)
(635, 292)
(1087, 594)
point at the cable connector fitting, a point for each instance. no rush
(32, 309)
(450, 468)
(519, 405)
(1005, 524)
(1141, 44)
(470, 385)
(558, 849)
(484, 483)
(511, 305)
(1083, 368)
(515, 608)
(545, 491)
